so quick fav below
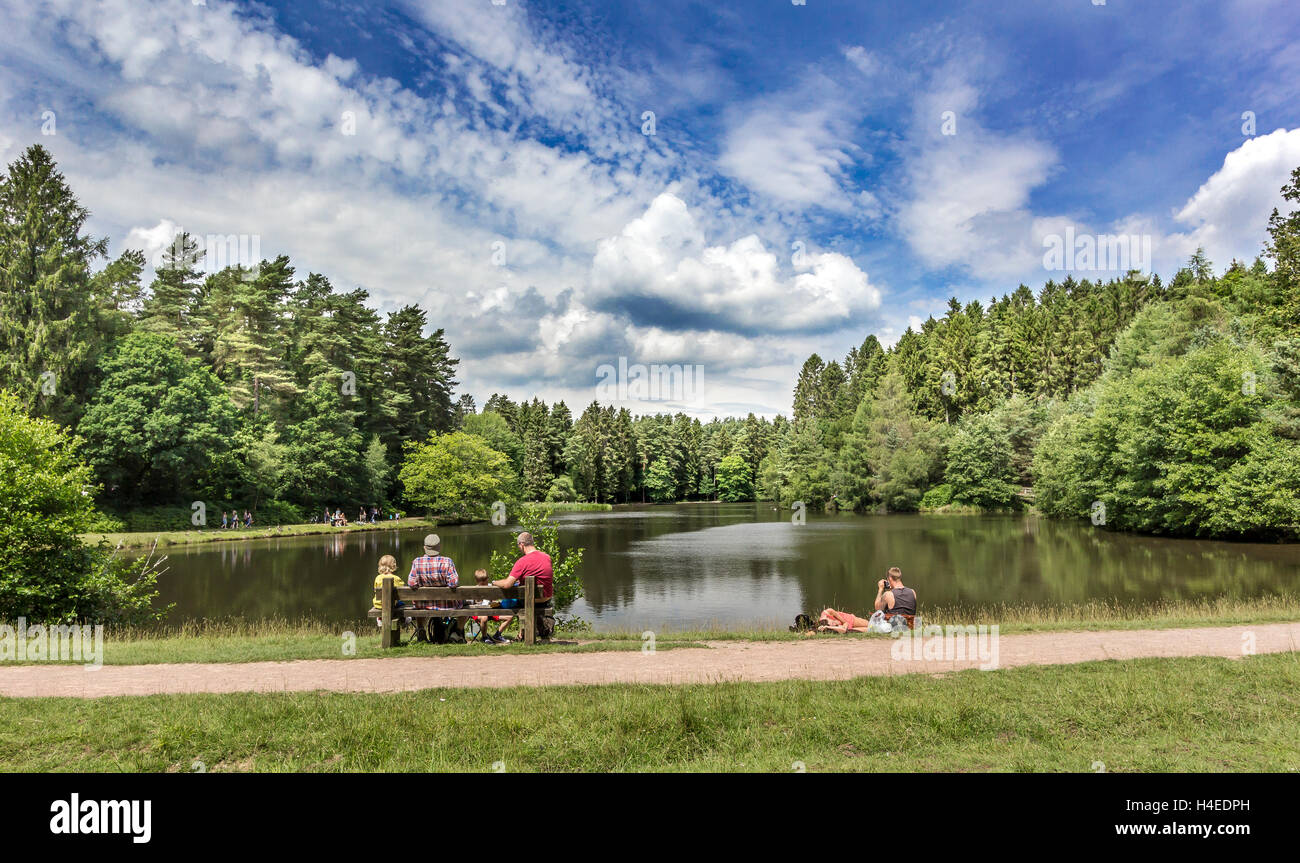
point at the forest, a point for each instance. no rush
(1170, 408)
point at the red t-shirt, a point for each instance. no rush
(538, 565)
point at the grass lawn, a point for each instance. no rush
(1196, 714)
(281, 640)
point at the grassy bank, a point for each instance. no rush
(215, 534)
(283, 640)
(144, 539)
(1142, 715)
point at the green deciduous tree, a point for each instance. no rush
(158, 425)
(455, 474)
(47, 574)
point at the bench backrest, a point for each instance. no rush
(471, 594)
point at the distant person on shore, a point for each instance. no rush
(388, 570)
(224, 520)
(893, 598)
(248, 519)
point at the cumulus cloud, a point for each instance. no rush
(661, 272)
(1228, 214)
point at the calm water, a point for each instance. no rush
(695, 564)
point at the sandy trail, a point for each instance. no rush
(815, 659)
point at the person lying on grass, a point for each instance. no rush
(831, 620)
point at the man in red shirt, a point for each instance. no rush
(535, 563)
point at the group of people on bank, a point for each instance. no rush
(434, 569)
(365, 515)
(233, 520)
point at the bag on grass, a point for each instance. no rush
(803, 623)
(877, 623)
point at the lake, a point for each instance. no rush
(692, 565)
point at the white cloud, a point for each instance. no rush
(1228, 214)
(866, 62)
(969, 191)
(796, 158)
(661, 268)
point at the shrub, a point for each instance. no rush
(47, 574)
(937, 497)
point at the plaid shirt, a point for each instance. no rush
(434, 571)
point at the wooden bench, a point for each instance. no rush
(530, 594)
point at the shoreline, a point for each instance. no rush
(144, 539)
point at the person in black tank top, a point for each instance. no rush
(893, 597)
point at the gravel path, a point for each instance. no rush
(815, 659)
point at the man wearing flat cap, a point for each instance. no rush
(433, 569)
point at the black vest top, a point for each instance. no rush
(904, 601)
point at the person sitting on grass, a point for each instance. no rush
(894, 599)
(503, 621)
(388, 570)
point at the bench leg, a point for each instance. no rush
(386, 615)
(530, 611)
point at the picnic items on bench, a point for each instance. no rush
(536, 613)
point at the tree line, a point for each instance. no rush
(247, 384)
(1168, 408)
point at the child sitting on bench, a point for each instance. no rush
(504, 621)
(388, 569)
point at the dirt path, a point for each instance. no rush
(818, 659)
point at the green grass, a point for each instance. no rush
(283, 640)
(1198, 714)
(216, 534)
(558, 506)
(1091, 616)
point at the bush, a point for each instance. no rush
(47, 575)
(937, 497)
(274, 512)
(546, 534)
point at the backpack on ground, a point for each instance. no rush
(804, 623)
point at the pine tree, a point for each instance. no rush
(251, 345)
(807, 389)
(48, 343)
(174, 292)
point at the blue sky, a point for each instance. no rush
(816, 172)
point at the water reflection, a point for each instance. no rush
(695, 564)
